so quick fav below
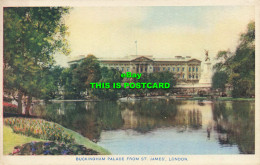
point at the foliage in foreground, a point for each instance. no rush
(32, 35)
(39, 128)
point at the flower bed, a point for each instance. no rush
(52, 148)
(10, 108)
(39, 128)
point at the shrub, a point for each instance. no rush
(10, 108)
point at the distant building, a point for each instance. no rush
(185, 68)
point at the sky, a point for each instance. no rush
(161, 31)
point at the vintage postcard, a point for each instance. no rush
(137, 82)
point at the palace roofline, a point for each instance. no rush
(133, 57)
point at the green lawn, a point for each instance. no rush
(87, 143)
(12, 139)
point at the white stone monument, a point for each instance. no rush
(206, 75)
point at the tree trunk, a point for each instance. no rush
(28, 106)
(20, 105)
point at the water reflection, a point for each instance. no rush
(224, 124)
(236, 120)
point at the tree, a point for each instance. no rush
(219, 80)
(108, 76)
(51, 83)
(240, 65)
(31, 36)
(157, 77)
(243, 66)
(66, 83)
(224, 58)
(85, 72)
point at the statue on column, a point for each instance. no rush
(207, 55)
(206, 74)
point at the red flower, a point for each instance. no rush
(5, 104)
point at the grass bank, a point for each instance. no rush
(12, 139)
(37, 128)
(87, 143)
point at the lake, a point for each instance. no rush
(160, 126)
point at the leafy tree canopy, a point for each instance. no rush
(31, 36)
(240, 65)
(219, 80)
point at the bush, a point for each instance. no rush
(10, 108)
(39, 128)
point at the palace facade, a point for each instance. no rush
(185, 68)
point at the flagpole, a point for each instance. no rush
(136, 47)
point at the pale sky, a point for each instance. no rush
(159, 31)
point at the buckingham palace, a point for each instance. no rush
(184, 67)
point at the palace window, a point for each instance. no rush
(145, 69)
(189, 76)
(196, 69)
(163, 69)
(189, 69)
(192, 76)
(169, 69)
(127, 69)
(182, 69)
(117, 68)
(173, 69)
(193, 69)
(183, 75)
(122, 69)
(158, 69)
(178, 69)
